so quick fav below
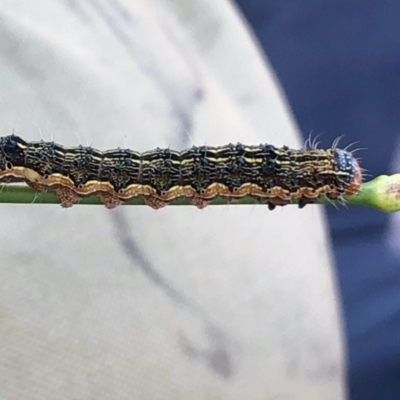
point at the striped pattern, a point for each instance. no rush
(275, 176)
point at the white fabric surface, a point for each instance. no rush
(226, 303)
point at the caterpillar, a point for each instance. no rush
(271, 175)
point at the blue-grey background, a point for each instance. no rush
(339, 64)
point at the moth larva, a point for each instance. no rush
(271, 175)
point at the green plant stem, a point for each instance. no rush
(382, 194)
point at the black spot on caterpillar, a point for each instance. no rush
(271, 175)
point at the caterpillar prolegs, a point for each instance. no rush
(271, 175)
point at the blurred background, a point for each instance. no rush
(225, 303)
(339, 65)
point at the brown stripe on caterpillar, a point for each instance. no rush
(271, 175)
